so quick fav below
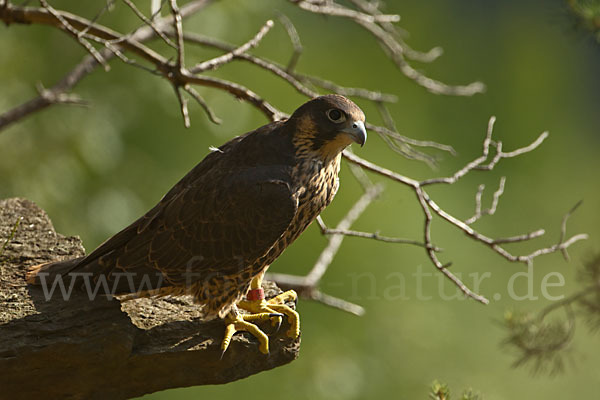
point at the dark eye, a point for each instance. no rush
(336, 115)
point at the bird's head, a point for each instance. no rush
(326, 125)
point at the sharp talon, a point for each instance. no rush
(278, 325)
(222, 354)
(274, 310)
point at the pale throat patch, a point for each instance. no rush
(333, 148)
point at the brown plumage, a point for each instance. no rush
(232, 215)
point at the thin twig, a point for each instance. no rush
(307, 286)
(428, 205)
(375, 236)
(492, 209)
(87, 65)
(151, 24)
(294, 38)
(203, 104)
(182, 106)
(178, 27)
(335, 241)
(228, 57)
(69, 28)
(563, 228)
(334, 9)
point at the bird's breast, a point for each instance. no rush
(317, 185)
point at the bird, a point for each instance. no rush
(216, 232)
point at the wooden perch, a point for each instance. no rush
(100, 349)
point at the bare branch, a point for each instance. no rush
(338, 303)
(429, 205)
(228, 57)
(348, 91)
(151, 24)
(203, 104)
(379, 25)
(374, 236)
(307, 286)
(334, 9)
(335, 241)
(294, 38)
(69, 28)
(178, 76)
(178, 27)
(85, 67)
(183, 106)
(520, 238)
(478, 162)
(427, 57)
(262, 63)
(404, 145)
(563, 229)
(239, 91)
(492, 209)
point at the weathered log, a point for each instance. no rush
(100, 349)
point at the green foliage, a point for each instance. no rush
(542, 340)
(587, 15)
(539, 343)
(441, 391)
(590, 304)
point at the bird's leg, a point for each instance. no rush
(237, 322)
(256, 304)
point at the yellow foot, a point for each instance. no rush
(237, 322)
(275, 306)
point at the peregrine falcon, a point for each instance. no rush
(215, 233)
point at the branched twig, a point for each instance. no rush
(228, 57)
(178, 27)
(492, 209)
(380, 26)
(59, 98)
(563, 229)
(211, 115)
(334, 9)
(294, 38)
(26, 15)
(403, 144)
(430, 207)
(182, 106)
(151, 24)
(348, 91)
(77, 34)
(368, 235)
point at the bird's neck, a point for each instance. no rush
(326, 155)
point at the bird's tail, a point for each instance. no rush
(49, 271)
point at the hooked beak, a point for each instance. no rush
(356, 130)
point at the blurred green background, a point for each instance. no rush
(96, 169)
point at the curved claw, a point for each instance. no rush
(277, 322)
(237, 322)
(260, 310)
(293, 319)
